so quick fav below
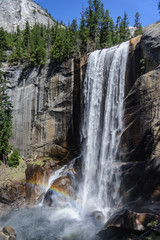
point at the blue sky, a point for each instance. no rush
(66, 10)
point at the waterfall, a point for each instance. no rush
(103, 126)
(79, 216)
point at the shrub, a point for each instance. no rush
(14, 159)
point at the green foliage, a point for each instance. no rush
(152, 224)
(143, 64)
(59, 42)
(5, 121)
(137, 24)
(123, 28)
(14, 159)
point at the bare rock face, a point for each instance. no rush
(142, 117)
(17, 12)
(46, 107)
(151, 46)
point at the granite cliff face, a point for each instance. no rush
(16, 12)
(47, 102)
(142, 116)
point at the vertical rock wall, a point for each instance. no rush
(141, 138)
(46, 107)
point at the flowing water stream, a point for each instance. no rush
(97, 195)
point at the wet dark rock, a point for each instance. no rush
(98, 215)
(127, 224)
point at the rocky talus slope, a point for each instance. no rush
(17, 12)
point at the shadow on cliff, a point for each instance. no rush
(141, 174)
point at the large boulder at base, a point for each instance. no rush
(124, 223)
(36, 182)
(62, 187)
(12, 196)
(8, 233)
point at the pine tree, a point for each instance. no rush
(138, 25)
(107, 29)
(124, 30)
(54, 30)
(83, 33)
(27, 35)
(37, 45)
(117, 30)
(5, 121)
(93, 17)
(3, 44)
(56, 51)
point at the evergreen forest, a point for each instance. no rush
(96, 30)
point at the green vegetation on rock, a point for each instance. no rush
(5, 121)
(14, 159)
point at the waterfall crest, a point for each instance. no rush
(103, 126)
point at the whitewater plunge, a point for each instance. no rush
(98, 192)
(103, 126)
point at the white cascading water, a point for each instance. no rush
(103, 126)
(80, 217)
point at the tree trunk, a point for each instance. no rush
(5, 159)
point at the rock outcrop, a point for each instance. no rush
(46, 107)
(17, 12)
(8, 233)
(130, 225)
(142, 117)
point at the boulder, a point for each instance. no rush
(62, 187)
(3, 236)
(36, 182)
(8, 233)
(125, 223)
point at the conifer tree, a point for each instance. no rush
(93, 17)
(117, 30)
(124, 30)
(5, 121)
(107, 29)
(37, 45)
(27, 35)
(83, 33)
(3, 44)
(138, 25)
(56, 51)
(54, 30)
